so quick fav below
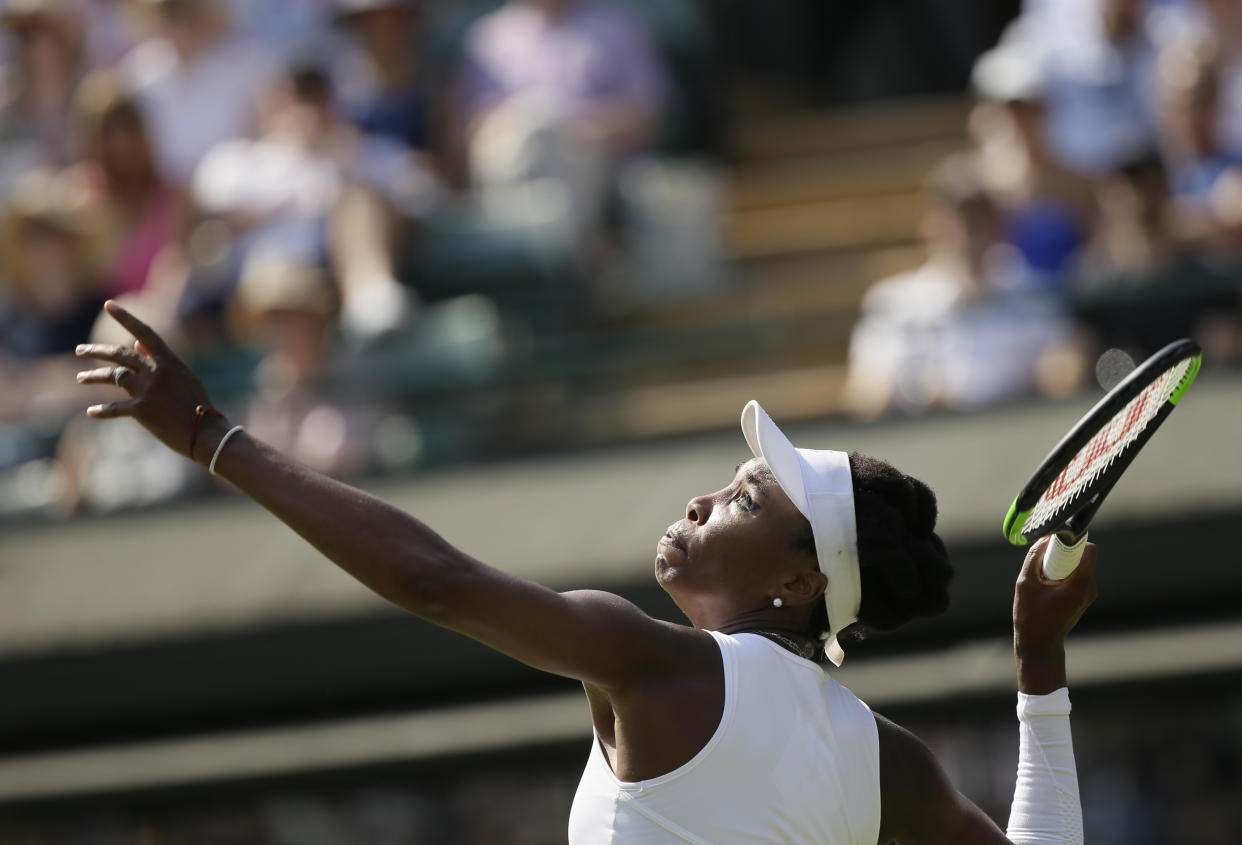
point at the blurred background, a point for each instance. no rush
(516, 266)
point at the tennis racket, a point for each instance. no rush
(1065, 491)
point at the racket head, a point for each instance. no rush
(1066, 489)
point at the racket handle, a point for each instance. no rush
(1060, 560)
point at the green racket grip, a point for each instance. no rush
(1059, 559)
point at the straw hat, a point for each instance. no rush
(52, 202)
(273, 280)
(15, 10)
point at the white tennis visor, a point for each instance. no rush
(820, 485)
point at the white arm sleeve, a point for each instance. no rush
(1046, 808)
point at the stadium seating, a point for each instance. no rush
(819, 206)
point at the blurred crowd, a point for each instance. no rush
(1098, 207)
(343, 210)
(310, 197)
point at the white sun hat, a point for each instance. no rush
(820, 485)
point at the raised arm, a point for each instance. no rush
(572, 634)
(1046, 806)
(920, 806)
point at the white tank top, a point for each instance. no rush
(794, 761)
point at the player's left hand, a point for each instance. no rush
(162, 391)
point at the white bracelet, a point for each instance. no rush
(211, 468)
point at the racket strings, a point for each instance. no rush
(1112, 440)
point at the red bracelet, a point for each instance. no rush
(200, 412)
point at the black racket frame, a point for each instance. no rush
(1072, 524)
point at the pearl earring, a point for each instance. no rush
(776, 602)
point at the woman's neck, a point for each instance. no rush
(798, 644)
(792, 639)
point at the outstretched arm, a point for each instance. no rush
(571, 634)
(920, 806)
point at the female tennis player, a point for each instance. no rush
(728, 731)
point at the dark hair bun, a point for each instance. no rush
(904, 568)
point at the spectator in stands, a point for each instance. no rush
(321, 189)
(561, 89)
(1048, 210)
(50, 268)
(112, 28)
(1205, 173)
(136, 213)
(1095, 63)
(379, 81)
(958, 331)
(293, 30)
(196, 80)
(37, 85)
(1135, 230)
(1145, 282)
(286, 308)
(1223, 21)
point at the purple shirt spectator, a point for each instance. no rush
(197, 81)
(584, 56)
